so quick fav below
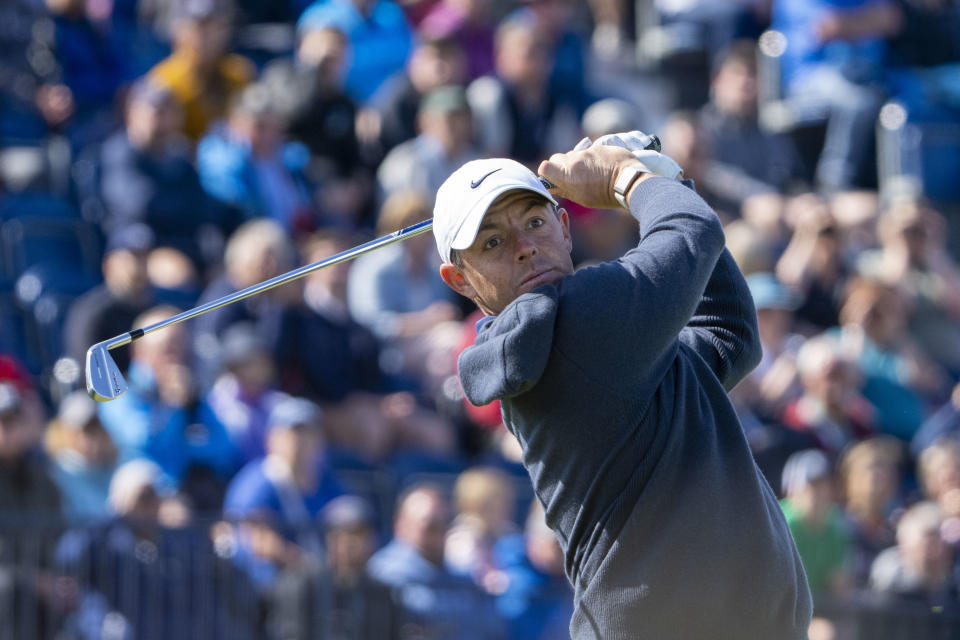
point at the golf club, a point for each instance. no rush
(106, 382)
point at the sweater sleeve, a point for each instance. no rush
(632, 311)
(723, 329)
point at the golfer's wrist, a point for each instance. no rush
(626, 179)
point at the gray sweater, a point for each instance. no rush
(614, 381)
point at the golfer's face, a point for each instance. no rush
(521, 245)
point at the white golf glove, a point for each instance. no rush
(637, 142)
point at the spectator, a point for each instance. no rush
(445, 142)
(245, 164)
(202, 76)
(33, 97)
(257, 251)
(346, 601)
(485, 504)
(398, 294)
(568, 52)
(745, 160)
(162, 418)
(109, 309)
(146, 175)
(336, 360)
(309, 93)
(833, 69)
(245, 391)
(28, 498)
(291, 484)
(515, 110)
(919, 568)
(812, 263)
(773, 383)
(435, 602)
(130, 571)
(944, 422)
(897, 377)
(870, 477)
(912, 255)
(82, 458)
(91, 51)
(537, 602)
(830, 412)
(435, 63)
(685, 140)
(469, 22)
(380, 39)
(816, 522)
(939, 471)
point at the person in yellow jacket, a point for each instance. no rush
(202, 76)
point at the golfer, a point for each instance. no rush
(614, 379)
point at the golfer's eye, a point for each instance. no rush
(536, 222)
(492, 243)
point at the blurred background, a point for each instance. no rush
(302, 464)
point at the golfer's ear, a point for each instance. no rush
(453, 276)
(565, 223)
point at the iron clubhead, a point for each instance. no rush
(104, 380)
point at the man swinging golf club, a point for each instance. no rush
(614, 380)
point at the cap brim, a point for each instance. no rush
(468, 231)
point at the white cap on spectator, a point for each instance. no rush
(464, 197)
(129, 481)
(802, 468)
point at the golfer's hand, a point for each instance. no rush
(587, 175)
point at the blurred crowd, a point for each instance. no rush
(302, 463)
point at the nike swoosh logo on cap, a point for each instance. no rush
(476, 183)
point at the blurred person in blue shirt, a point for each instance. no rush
(380, 39)
(92, 52)
(537, 601)
(436, 603)
(246, 164)
(161, 417)
(833, 68)
(245, 391)
(82, 458)
(291, 484)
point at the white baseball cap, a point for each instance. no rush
(464, 197)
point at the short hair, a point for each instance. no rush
(402, 209)
(258, 234)
(944, 449)
(475, 487)
(742, 52)
(885, 449)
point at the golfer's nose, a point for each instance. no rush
(526, 249)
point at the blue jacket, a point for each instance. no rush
(380, 42)
(441, 605)
(176, 438)
(614, 381)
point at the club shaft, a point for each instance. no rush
(266, 285)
